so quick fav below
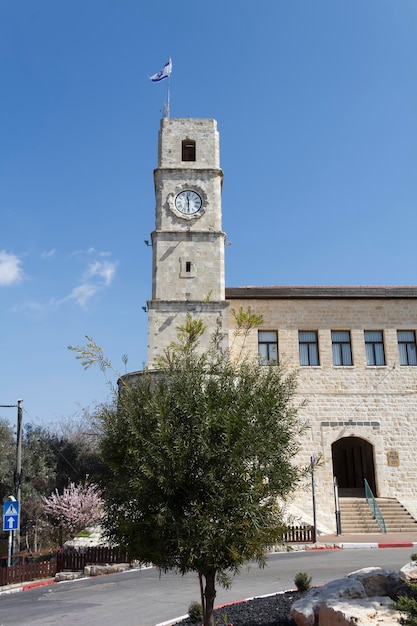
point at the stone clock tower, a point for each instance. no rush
(188, 241)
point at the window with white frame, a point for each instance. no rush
(268, 346)
(341, 347)
(309, 347)
(407, 347)
(374, 347)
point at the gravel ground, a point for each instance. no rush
(270, 611)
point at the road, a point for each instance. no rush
(145, 598)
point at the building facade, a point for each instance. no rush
(354, 348)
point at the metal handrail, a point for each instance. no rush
(373, 505)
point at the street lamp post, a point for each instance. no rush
(313, 462)
(336, 506)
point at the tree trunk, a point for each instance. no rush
(203, 600)
(209, 596)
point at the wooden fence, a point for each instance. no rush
(26, 568)
(300, 534)
(75, 560)
(27, 571)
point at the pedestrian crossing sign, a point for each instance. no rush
(10, 515)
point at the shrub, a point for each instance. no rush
(408, 606)
(413, 557)
(195, 612)
(302, 581)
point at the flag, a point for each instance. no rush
(164, 73)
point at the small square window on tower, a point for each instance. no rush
(188, 150)
(187, 268)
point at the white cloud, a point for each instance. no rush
(104, 270)
(11, 272)
(31, 306)
(48, 253)
(82, 294)
(87, 251)
(98, 275)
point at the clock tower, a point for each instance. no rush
(188, 241)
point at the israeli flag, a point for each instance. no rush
(164, 73)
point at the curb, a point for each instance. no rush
(26, 586)
(408, 544)
(38, 583)
(51, 581)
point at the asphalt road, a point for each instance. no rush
(146, 598)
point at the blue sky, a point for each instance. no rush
(316, 105)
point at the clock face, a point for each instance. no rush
(188, 202)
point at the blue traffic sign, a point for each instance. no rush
(10, 515)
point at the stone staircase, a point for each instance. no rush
(356, 516)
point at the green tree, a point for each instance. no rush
(200, 459)
(51, 458)
(7, 459)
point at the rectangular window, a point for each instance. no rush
(188, 266)
(341, 347)
(188, 150)
(268, 346)
(374, 347)
(407, 347)
(309, 347)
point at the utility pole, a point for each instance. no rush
(18, 470)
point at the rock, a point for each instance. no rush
(60, 576)
(363, 597)
(341, 612)
(378, 581)
(408, 572)
(305, 611)
(101, 570)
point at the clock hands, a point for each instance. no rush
(188, 202)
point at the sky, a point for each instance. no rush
(316, 105)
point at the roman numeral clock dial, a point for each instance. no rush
(188, 202)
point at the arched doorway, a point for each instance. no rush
(353, 461)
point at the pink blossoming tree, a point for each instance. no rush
(76, 508)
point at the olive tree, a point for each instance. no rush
(200, 458)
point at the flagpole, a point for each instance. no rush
(162, 75)
(169, 94)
